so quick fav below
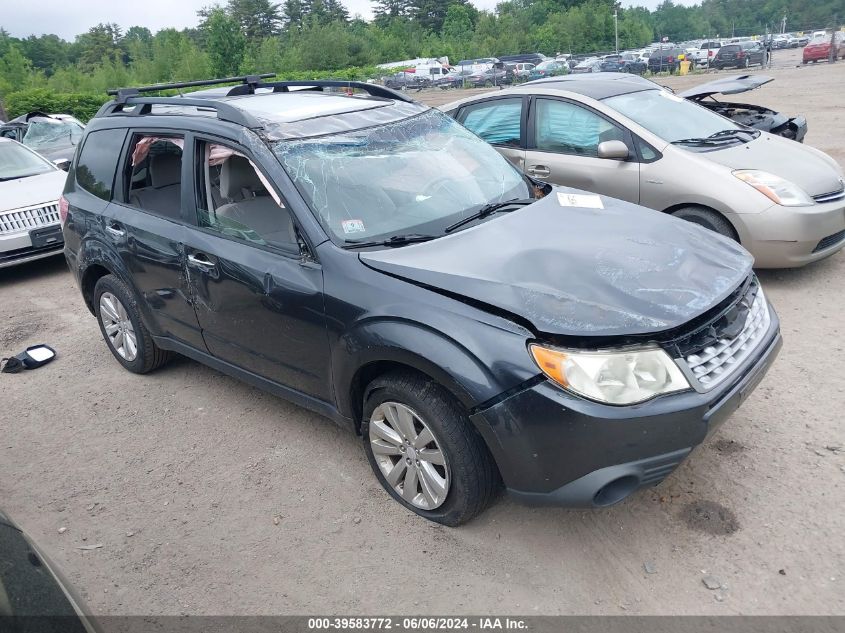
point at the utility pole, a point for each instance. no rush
(783, 24)
(616, 24)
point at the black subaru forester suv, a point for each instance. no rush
(366, 257)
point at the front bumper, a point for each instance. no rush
(785, 237)
(553, 448)
(17, 249)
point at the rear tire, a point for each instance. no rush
(467, 472)
(709, 219)
(117, 311)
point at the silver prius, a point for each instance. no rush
(628, 138)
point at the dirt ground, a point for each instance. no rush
(210, 497)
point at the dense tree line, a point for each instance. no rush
(311, 38)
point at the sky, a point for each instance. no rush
(68, 19)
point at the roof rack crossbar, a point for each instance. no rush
(318, 84)
(247, 80)
(225, 112)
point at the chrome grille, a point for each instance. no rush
(22, 220)
(832, 196)
(715, 363)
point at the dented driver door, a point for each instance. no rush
(258, 300)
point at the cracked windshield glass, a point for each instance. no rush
(417, 175)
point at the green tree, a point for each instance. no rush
(257, 18)
(224, 43)
(100, 42)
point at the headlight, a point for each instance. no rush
(775, 188)
(611, 377)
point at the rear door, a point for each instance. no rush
(563, 140)
(145, 224)
(258, 300)
(500, 122)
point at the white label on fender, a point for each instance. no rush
(579, 200)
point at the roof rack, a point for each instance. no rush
(123, 94)
(130, 97)
(319, 84)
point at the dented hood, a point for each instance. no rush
(620, 270)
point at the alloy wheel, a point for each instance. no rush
(118, 326)
(409, 456)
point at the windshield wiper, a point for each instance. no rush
(734, 133)
(697, 141)
(486, 210)
(393, 240)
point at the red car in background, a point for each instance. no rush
(819, 48)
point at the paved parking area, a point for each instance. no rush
(210, 497)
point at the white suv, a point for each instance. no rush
(30, 187)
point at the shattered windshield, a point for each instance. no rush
(18, 162)
(418, 175)
(44, 133)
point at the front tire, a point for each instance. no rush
(424, 450)
(709, 219)
(122, 328)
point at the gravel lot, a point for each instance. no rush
(210, 497)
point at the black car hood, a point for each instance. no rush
(621, 270)
(727, 86)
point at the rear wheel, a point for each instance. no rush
(709, 219)
(424, 450)
(120, 324)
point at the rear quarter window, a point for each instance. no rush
(97, 163)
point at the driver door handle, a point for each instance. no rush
(115, 230)
(201, 261)
(539, 171)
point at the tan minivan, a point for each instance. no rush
(629, 138)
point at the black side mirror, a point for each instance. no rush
(62, 163)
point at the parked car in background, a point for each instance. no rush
(707, 51)
(819, 48)
(490, 77)
(402, 278)
(627, 137)
(588, 65)
(665, 59)
(453, 79)
(549, 68)
(53, 136)
(740, 55)
(755, 116)
(780, 41)
(623, 63)
(803, 40)
(407, 81)
(30, 186)
(477, 65)
(522, 70)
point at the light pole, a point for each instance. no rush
(616, 25)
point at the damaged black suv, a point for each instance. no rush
(368, 258)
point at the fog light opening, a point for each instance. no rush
(616, 490)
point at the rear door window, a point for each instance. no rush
(154, 174)
(498, 122)
(97, 163)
